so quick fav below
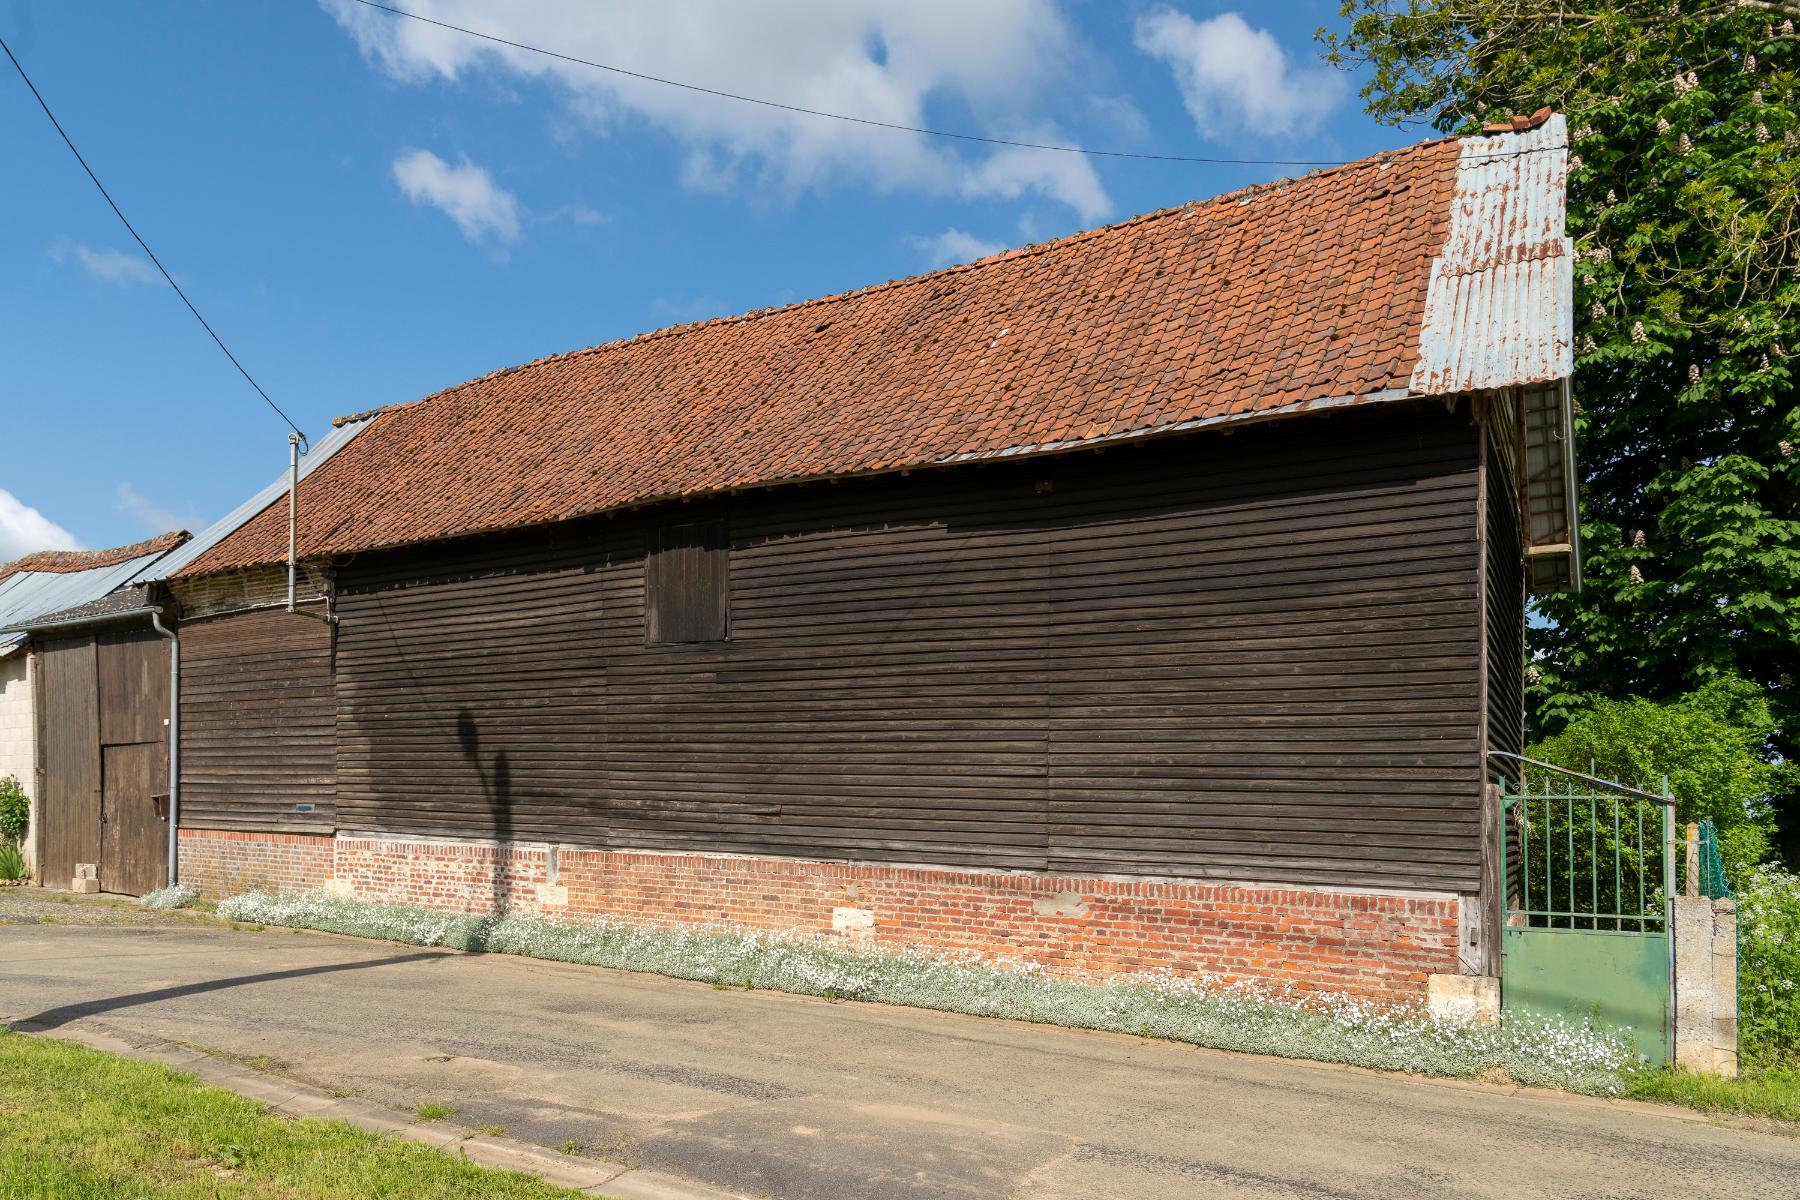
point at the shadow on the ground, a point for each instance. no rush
(55, 1017)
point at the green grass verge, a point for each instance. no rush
(77, 1124)
(1762, 1094)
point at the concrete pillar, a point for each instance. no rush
(1705, 949)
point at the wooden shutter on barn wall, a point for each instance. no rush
(687, 582)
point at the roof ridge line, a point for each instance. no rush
(1237, 195)
(69, 562)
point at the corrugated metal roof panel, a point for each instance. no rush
(225, 526)
(31, 594)
(1500, 307)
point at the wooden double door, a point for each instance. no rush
(103, 703)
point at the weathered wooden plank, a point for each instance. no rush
(258, 723)
(1256, 656)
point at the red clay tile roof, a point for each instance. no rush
(62, 562)
(1271, 300)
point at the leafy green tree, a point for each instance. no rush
(1684, 206)
(1710, 745)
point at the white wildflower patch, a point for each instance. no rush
(179, 896)
(1203, 1011)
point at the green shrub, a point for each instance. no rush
(12, 862)
(15, 810)
(1768, 968)
(178, 896)
(1712, 744)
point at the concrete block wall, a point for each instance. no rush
(1384, 947)
(18, 734)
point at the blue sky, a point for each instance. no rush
(369, 209)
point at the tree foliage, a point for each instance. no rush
(1684, 207)
(1711, 745)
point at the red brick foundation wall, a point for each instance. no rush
(223, 862)
(1376, 945)
(449, 876)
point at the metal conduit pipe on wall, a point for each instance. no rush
(174, 743)
(293, 559)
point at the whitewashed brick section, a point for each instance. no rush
(17, 731)
(254, 587)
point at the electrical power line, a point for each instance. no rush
(814, 112)
(39, 97)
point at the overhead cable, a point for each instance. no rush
(144, 246)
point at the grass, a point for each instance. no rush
(77, 1124)
(1774, 1094)
(433, 1110)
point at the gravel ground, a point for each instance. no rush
(41, 906)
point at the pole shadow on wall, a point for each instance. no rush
(496, 786)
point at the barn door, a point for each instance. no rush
(69, 806)
(134, 828)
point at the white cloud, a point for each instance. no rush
(1011, 172)
(1237, 80)
(152, 516)
(986, 62)
(954, 246)
(23, 530)
(113, 266)
(481, 208)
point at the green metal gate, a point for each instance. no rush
(1587, 870)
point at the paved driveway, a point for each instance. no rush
(799, 1098)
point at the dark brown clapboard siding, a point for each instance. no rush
(1245, 657)
(471, 688)
(258, 721)
(1505, 607)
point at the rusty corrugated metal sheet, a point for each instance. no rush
(1500, 308)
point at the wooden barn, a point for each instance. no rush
(85, 712)
(1145, 599)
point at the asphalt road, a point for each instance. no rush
(799, 1098)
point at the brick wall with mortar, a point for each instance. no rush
(223, 862)
(254, 587)
(18, 732)
(1381, 946)
(464, 877)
